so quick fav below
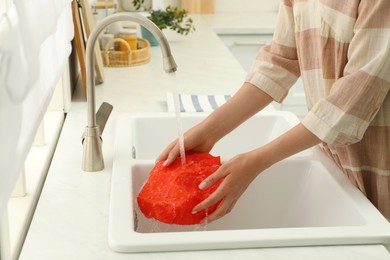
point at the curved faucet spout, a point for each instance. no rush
(169, 64)
(92, 157)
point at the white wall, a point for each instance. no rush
(222, 6)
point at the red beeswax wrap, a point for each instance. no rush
(171, 192)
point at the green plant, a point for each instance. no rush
(138, 4)
(172, 17)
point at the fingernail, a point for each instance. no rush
(203, 185)
(165, 163)
(194, 212)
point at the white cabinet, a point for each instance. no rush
(244, 48)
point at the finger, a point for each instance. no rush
(217, 214)
(173, 154)
(213, 178)
(164, 154)
(169, 154)
(208, 202)
(222, 209)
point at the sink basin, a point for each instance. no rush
(302, 201)
(151, 134)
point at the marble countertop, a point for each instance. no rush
(71, 218)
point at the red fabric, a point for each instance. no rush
(171, 192)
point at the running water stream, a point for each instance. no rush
(176, 101)
(175, 91)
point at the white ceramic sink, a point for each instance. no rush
(151, 133)
(303, 200)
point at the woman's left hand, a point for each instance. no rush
(238, 172)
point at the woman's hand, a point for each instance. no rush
(238, 172)
(194, 140)
(202, 137)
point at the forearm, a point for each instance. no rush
(293, 141)
(245, 103)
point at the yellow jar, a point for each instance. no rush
(129, 35)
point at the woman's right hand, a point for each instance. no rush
(202, 137)
(195, 139)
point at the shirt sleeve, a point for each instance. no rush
(276, 67)
(354, 100)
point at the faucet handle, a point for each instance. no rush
(102, 115)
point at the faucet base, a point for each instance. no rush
(92, 154)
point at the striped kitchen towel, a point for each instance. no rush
(197, 103)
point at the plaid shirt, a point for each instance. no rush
(341, 49)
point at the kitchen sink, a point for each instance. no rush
(304, 200)
(151, 133)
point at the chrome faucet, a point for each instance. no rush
(92, 154)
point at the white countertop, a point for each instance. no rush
(71, 218)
